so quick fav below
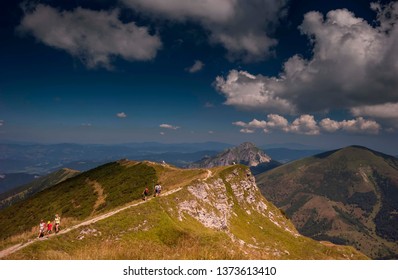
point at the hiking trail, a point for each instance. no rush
(208, 175)
(22, 245)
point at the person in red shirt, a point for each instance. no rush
(49, 227)
(145, 193)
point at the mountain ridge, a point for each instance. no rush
(348, 196)
(39, 184)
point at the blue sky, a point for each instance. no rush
(321, 73)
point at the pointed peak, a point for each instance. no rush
(247, 145)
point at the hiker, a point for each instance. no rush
(155, 192)
(145, 194)
(57, 221)
(158, 189)
(42, 226)
(49, 227)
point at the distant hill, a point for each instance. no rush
(216, 213)
(22, 192)
(246, 153)
(9, 181)
(347, 196)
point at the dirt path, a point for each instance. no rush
(208, 175)
(20, 246)
(100, 193)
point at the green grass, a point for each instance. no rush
(75, 198)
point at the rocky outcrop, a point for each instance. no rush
(212, 202)
(246, 153)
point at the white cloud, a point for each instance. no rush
(247, 130)
(169, 126)
(244, 90)
(211, 132)
(207, 10)
(277, 122)
(240, 123)
(162, 133)
(358, 125)
(307, 125)
(196, 67)
(121, 115)
(329, 125)
(257, 124)
(354, 65)
(95, 37)
(243, 27)
(1, 122)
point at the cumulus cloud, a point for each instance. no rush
(196, 67)
(121, 115)
(307, 125)
(358, 125)
(245, 90)
(354, 65)
(243, 27)
(1, 122)
(95, 37)
(169, 126)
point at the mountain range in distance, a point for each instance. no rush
(42, 159)
(21, 163)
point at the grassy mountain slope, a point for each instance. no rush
(348, 196)
(217, 213)
(37, 185)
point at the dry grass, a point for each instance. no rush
(33, 233)
(19, 238)
(187, 249)
(172, 178)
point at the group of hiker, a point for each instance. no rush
(156, 191)
(47, 228)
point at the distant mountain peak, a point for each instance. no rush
(246, 153)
